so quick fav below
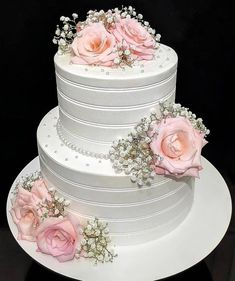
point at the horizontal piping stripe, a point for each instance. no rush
(182, 215)
(117, 205)
(140, 217)
(106, 189)
(116, 108)
(112, 89)
(98, 125)
(61, 128)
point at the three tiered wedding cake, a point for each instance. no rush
(117, 149)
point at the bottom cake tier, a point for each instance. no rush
(135, 215)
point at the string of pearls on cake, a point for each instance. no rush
(79, 149)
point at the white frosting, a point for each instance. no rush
(99, 104)
(135, 215)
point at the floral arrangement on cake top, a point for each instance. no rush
(117, 37)
(168, 142)
(40, 216)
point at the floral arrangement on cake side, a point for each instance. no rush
(41, 217)
(116, 37)
(168, 142)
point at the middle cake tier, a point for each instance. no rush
(135, 215)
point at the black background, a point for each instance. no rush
(201, 32)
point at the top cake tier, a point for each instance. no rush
(99, 104)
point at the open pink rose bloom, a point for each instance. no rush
(177, 147)
(134, 36)
(58, 237)
(94, 45)
(25, 210)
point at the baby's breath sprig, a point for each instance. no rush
(65, 34)
(130, 12)
(133, 155)
(125, 56)
(27, 181)
(96, 242)
(55, 207)
(107, 18)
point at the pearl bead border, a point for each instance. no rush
(76, 148)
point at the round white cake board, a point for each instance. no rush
(192, 241)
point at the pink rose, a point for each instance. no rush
(177, 147)
(24, 214)
(94, 45)
(25, 210)
(58, 237)
(131, 33)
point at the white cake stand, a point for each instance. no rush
(192, 241)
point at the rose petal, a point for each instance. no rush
(40, 190)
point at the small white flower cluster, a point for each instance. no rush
(55, 207)
(133, 155)
(176, 110)
(27, 181)
(107, 18)
(124, 56)
(65, 34)
(128, 12)
(95, 244)
(110, 17)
